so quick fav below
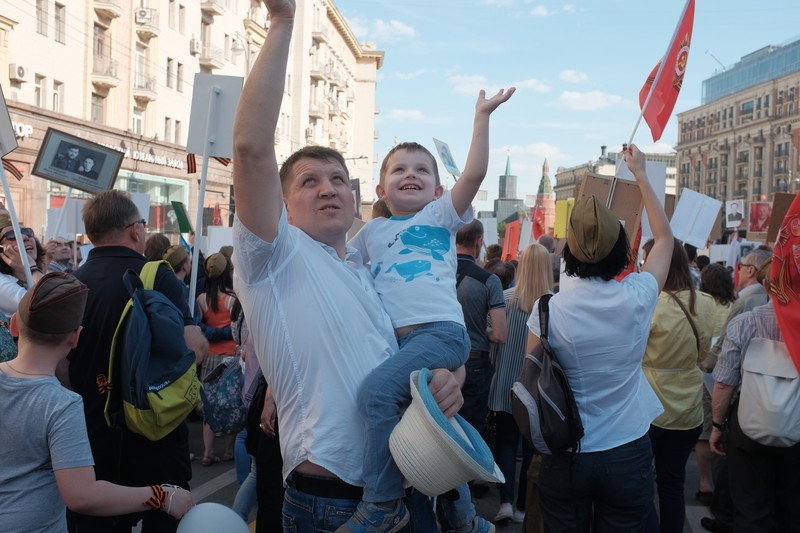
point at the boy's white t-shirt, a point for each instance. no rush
(413, 261)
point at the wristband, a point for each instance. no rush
(159, 497)
(722, 427)
(36, 269)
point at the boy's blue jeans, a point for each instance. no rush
(386, 390)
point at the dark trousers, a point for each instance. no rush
(764, 483)
(476, 392)
(506, 444)
(671, 449)
(129, 459)
(269, 482)
(721, 504)
(615, 484)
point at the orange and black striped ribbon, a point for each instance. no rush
(12, 169)
(191, 162)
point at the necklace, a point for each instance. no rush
(24, 373)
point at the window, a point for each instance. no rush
(58, 96)
(137, 124)
(41, 17)
(39, 90)
(140, 68)
(177, 132)
(60, 25)
(167, 128)
(747, 108)
(179, 80)
(171, 14)
(181, 19)
(169, 71)
(98, 109)
(227, 49)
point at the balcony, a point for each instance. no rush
(108, 9)
(320, 35)
(318, 72)
(316, 110)
(213, 7)
(146, 20)
(104, 72)
(211, 57)
(144, 88)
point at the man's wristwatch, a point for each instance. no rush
(721, 427)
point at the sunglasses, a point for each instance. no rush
(26, 232)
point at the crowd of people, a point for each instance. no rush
(327, 331)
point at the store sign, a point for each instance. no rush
(22, 130)
(147, 157)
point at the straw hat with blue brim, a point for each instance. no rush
(434, 453)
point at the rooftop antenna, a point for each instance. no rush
(717, 60)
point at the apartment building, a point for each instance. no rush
(743, 142)
(122, 74)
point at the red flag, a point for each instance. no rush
(511, 241)
(660, 91)
(12, 169)
(217, 215)
(538, 224)
(785, 280)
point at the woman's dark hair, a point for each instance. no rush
(678, 277)
(606, 269)
(503, 270)
(221, 284)
(716, 281)
(41, 256)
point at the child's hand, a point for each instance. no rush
(487, 106)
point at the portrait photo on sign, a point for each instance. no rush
(760, 214)
(734, 213)
(76, 162)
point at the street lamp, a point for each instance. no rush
(237, 48)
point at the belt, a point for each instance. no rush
(478, 355)
(324, 487)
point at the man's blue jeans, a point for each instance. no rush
(304, 513)
(386, 390)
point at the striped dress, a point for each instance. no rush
(507, 358)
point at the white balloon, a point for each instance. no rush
(212, 518)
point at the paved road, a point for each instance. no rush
(217, 483)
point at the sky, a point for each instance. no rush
(578, 68)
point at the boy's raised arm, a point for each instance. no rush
(255, 173)
(470, 181)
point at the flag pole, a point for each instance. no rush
(17, 232)
(660, 69)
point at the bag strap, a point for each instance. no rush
(148, 273)
(688, 317)
(459, 279)
(544, 315)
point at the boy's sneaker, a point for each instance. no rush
(370, 517)
(481, 525)
(519, 516)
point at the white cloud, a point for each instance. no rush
(406, 115)
(539, 149)
(360, 27)
(500, 3)
(409, 75)
(573, 76)
(540, 11)
(543, 11)
(569, 8)
(532, 84)
(587, 101)
(394, 30)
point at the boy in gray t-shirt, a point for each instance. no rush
(48, 464)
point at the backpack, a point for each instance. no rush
(769, 401)
(158, 384)
(223, 408)
(541, 399)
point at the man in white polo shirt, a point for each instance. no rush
(316, 320)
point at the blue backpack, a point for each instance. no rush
(158, 384)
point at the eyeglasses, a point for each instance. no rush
(26, 232)
(745, 265)
(141, 221)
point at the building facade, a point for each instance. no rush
(122, 75)
(743, 143)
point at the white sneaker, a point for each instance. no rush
(519, 516)
(505, 513)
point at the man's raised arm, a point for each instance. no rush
(255, 172)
